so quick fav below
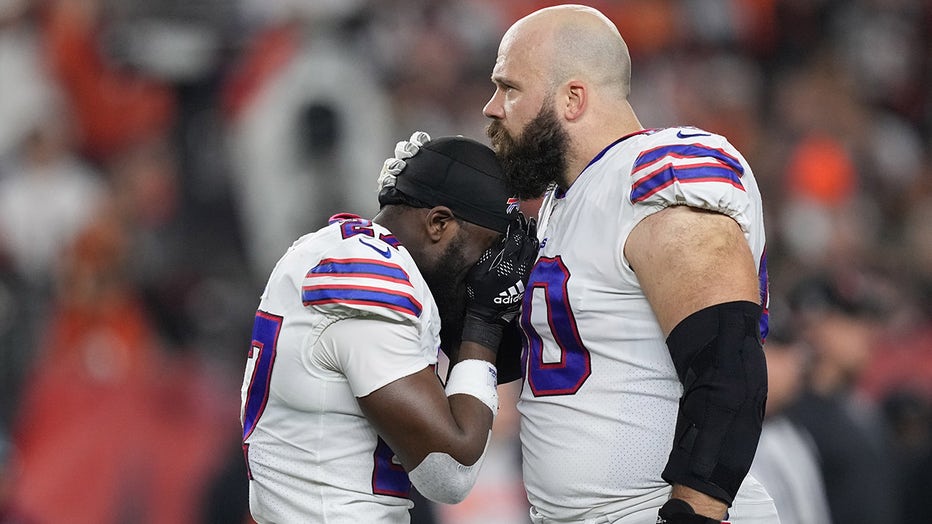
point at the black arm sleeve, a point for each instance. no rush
(719, 359)
(508, 359)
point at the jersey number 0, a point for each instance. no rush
(566, 375)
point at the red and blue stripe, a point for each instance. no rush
(331, 292)
(360, 267)
(656, 168)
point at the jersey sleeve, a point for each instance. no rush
(695, 169)
(381, 318)
(373, 352)
(348, 282)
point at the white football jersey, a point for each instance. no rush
(344, 313)
(600, 394)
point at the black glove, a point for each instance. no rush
(678, 511)
(495, 285)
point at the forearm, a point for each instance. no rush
(718, 357)
(474, 351)
(702, 504)
(471, 391)
(448, 475)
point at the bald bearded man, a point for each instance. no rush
(643, 319)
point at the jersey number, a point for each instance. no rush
(265, 331)
(388, 478)
(567, 374)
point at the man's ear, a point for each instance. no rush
(576, 100)
(438, 221)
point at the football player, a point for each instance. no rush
(645, 379)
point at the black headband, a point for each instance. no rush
(456, 172)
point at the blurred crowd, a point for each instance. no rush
(158, 156)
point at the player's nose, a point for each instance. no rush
(494, 108)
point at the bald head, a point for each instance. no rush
(573, 41)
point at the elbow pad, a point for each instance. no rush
(441, 478)
(719, 359)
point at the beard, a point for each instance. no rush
(534, 160)
(447, 283)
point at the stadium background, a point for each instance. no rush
(156, 157)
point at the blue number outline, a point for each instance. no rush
(566, 376)
(265, 331)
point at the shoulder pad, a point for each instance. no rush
(688, 166)
(365, 274)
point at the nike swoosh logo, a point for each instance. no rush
(384, 252)
(680, 134)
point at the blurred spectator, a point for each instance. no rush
(171, 41)
(113, 107)
(840, 318)
(880, 42)
(822, 220)
(110, 429)
(787, 462)
(147, 199)
(902, 359)
(25, 88)
(46, 198)
(910, 416)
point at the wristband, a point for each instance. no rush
(476, 378)
(488, 334)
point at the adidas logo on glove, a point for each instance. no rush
(511, 295)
